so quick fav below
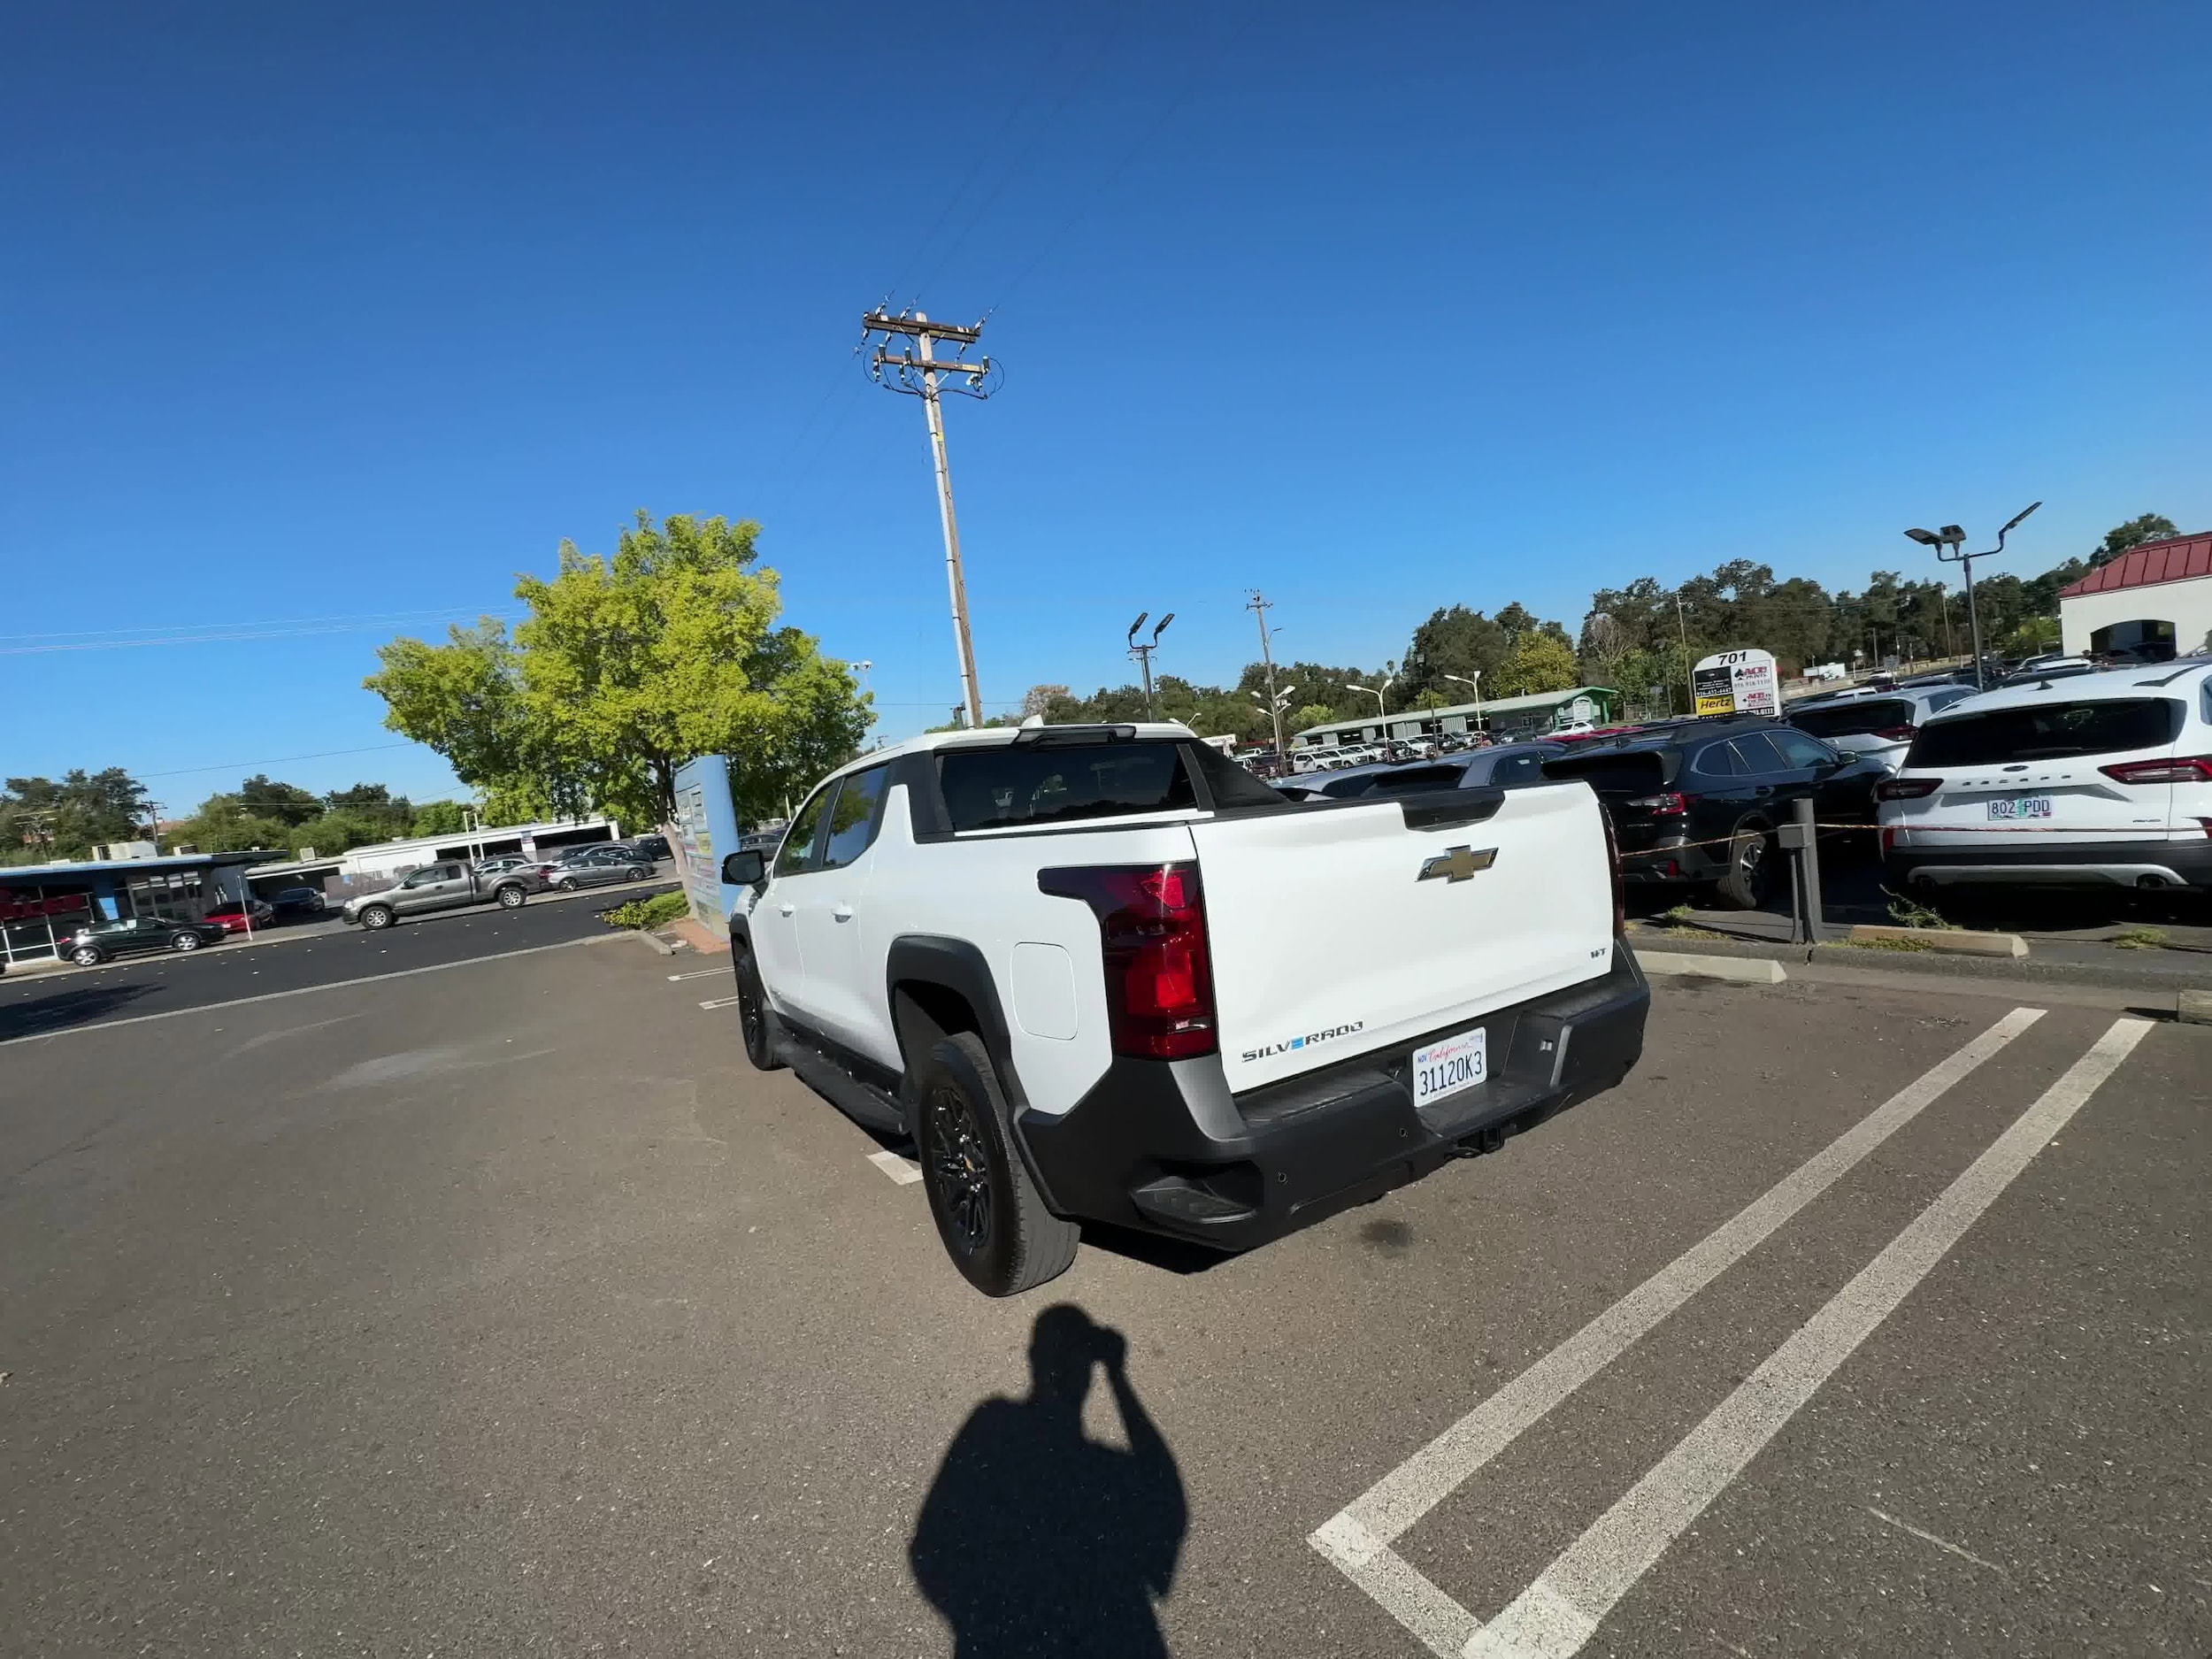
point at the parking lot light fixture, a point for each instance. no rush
(1953, 537)
(1473, 681)
(1382, 709)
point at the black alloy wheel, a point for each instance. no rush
(989, 1211)
(755, 1017)
(962, 1166)
(1750, 871)
(86, 956)
(185, 942)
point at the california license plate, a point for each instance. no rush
(2013, 808)
(1447, 1067)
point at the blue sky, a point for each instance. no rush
(308, 314)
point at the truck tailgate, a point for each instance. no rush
(1328, 942)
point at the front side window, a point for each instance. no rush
(1799, 750)
(853, 819)
(797, 852)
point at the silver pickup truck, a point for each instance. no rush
(441, 886)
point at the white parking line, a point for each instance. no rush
(905, 1171)
(719, 1002)
(1358, 1538)
(697, 973)
(1562, 1610)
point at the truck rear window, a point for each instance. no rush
(2048, 731)
(991, 788)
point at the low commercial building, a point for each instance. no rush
(1505, 719)
(2153, 601)
(374, 867)
(43, 904)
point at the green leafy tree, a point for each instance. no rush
(439, 817)
(628, 665)
(41, 819)
(2150, 527)
(1539, 661)
(1311, 715)
(285, 803)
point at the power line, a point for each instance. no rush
(274, 760)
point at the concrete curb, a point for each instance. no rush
(2196, 1007)
(1960, 941)
(1745, 970)
(2183, 970)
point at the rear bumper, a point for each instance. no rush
(1163, 1147)
(2075, 865)
(1674, 856)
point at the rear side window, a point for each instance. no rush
(1231, 785)
(1720, 760)
(1855, 719)
(2052, 731)
(991, 788)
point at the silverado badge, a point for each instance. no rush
(1457, 863)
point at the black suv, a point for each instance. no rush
(104, 942)
(1699, 800)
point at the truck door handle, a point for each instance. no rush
(786, 909)
(843, 912)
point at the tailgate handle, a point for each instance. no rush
(1448, 808)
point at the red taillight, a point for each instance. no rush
(1152, 930)
(1905, 788)
(2186, 768)
(1897, 733)
(1670, 803)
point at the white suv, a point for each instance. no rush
(2095, 779)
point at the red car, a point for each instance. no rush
(231, 919)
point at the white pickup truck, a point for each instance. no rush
(1102, 973)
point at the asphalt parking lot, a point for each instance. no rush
(502, 1310)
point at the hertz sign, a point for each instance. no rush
(15, 908)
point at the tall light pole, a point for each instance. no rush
(1143, 654)
(1474, 681)
(1689, 669)
(1258, 607)
(1952, 536)
(917, 370)
(1382, 709)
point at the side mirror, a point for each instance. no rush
(744, 870)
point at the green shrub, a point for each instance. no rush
(656, 911)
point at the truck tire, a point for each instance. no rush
(988, 1212)
(511, 897)
(1750, 870)
(763, 1032)
(376, 916)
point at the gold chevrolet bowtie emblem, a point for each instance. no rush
(1458, 863)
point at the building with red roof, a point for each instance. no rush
(2153, 601)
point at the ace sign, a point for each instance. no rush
(1736, 682)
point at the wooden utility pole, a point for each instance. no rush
(919, 371)
(1258, 607)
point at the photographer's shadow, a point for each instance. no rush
(1037, 1540)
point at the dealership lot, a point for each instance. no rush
(502, 1309)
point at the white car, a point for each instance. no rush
(1102, 973)
(2097, 779)
(1873, 724)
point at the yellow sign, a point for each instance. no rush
(1725, 704)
